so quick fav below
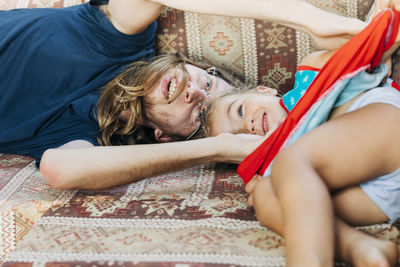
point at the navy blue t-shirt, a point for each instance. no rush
(53, 63)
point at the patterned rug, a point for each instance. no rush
(195, 217)
(24, 197)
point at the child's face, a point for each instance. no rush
(254, 113)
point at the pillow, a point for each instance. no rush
(259, 51)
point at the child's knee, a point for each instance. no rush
(287, 162)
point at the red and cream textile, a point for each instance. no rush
(199, 215)
(196, 217)
(24, 197)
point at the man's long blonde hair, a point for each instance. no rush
(128, 91)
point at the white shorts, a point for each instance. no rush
(385, 192)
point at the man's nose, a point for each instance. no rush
(194, 94)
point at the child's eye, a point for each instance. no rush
(240, 110)
(208, 84)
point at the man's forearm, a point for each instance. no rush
(293, 13)
(102, 167)
(132, 16)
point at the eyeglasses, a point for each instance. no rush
(201, 115)
(212, 71)
(194, 132)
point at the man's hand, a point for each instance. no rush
(235, 147)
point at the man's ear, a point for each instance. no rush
(161, 137)
(267, 90)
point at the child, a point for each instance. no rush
(331, 170)
(259, 113)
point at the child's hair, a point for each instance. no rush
(128, 91)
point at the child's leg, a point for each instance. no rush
(338, 154)
(307, 212)
(355, 208)
(351, 245)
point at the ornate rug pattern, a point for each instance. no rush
(197, 215)
(24, 197)
(191, 217)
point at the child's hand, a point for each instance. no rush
(250, 187)
(381, 5)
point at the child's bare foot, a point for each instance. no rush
(371, 252)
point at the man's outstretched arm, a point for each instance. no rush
(132, 16)
(83, 166)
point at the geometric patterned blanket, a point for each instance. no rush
(194, 217)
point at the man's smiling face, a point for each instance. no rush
(179, 115)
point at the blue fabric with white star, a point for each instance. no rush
(302, 81)
(354, 86)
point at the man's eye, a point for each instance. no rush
(208, 84)
(240, 110)
(201, 115)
